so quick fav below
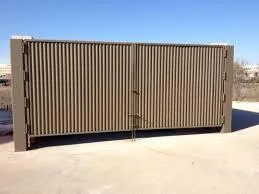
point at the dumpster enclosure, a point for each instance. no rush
(77, 87)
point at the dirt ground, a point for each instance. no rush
(5, 97)
(200, 163)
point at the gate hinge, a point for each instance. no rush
(223, 119)
(224, 98)
(225, 76)
(28, 129)
(27, 103)
(25, 48)
(26, 76)
(226, 53)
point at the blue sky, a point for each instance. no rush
(235, 22)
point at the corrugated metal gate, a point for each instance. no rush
(88, 87)
(77, 87)
(180, 86)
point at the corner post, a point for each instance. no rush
(228, 90)
(18, 96)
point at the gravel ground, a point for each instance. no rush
(201, 163)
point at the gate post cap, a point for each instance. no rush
(21, 37)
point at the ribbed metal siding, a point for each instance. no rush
(180, 86)
(77, 87)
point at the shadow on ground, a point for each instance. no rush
(242, 119)
(6, 139)
(101, 137)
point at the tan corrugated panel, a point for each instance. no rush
(180, 86)
(78, 87)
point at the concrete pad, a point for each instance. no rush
(203, 163)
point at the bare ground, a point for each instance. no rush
(5, 97)
(203, 163)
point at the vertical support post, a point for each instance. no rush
(18, 96)
(228, 89)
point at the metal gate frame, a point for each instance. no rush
(20, 95)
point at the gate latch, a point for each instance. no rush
(135, 92)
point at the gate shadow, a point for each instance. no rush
(242, 119)
(61, 140)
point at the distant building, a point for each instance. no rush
(5, 69)
(251, 71)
